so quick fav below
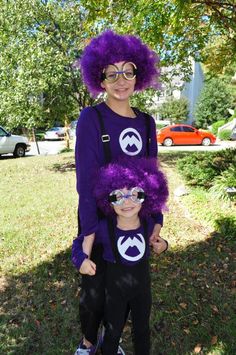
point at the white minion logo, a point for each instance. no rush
(130, 141)
(131, 248)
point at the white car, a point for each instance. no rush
(10, 143)
(55, 133)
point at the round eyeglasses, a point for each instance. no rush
(118, 197)
(111, 73)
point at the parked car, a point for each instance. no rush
(10, 143)
(55, 133)
(72, 131)
(184, 134)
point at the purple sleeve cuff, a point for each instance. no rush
(78, 256)
(158, 218)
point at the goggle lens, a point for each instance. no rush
(118, 197)
(111, 73)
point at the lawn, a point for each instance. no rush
(194, 283)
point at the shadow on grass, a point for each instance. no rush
(193, 304)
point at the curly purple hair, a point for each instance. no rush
(109, 48)
(129, 172)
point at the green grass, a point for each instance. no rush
(193, 284)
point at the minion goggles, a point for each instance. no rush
(117, 197)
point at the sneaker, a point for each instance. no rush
(120, 351)
(82, 350)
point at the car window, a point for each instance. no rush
(54, 129)
(2, 133)
(176, 129)
(187, 129)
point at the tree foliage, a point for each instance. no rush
(175, 110)
(38, 81)
(213, 104)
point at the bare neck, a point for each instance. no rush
(125, 223)
(121, 108)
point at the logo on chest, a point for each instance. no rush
(131, 248)
(130, 141)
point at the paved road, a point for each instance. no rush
(54, 147)
(47, 147)
(219, 145)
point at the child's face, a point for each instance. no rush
(130, 206)
(120, 89)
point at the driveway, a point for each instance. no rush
(47, 147)
(219, 145)
(54, 147)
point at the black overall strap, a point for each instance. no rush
(104, 137)
(148, 129)
(148, 141)
(145, 232)
(111, 230)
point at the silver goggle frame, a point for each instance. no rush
(128, 72)
(118, 197)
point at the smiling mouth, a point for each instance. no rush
(127, 209)
(121, 89)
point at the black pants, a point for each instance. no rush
(92, 297)
(127, 286)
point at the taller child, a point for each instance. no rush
(117, 65)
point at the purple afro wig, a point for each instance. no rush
(109, 48)
(129, 172)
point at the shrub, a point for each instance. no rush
(216, 126)
(202, 169)
(226, 226)
(220, 183)
(175, 109)
(225, 135)
(160, 125)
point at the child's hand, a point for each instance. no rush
(159, 246)
(88, 267)
(155, 234)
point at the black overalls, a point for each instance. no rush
(127, 287)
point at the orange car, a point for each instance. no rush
(184, 134)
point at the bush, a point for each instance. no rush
(226, 226)
(225, 134)
(160, 125)
(175, 109)
(202, 169)
(220, 183)
(216, 126)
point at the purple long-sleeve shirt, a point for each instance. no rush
(128, 136)
(132, 245)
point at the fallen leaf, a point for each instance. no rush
(214, 340)
(197, 349)
(215, 309)
(187, 331)
(183, 305)
(37, 322)
(195, 322)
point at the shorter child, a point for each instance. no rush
(128, 192)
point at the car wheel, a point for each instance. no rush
(168, 142)
(19, 151)
(206, 141)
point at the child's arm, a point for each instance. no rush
(80, 258)
(88, 267)
(88, 244)
(159, 246)
(155, 233)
